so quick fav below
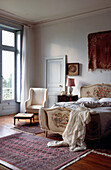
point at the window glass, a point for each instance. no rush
(8, 38)
(7, 75)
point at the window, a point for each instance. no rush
(8, 75)
(8, 38)
(10, 63)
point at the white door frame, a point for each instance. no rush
(54, 58)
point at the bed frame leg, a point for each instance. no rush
(45, 133)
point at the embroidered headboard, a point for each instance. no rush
(97, 91)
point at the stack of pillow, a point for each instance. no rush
(93, 102)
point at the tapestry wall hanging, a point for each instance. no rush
(99, 50)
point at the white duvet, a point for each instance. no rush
(75, 131)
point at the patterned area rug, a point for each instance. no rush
(29, 128)
(27, 151)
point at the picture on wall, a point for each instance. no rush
(99, 50)
(72, 69)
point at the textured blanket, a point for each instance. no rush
(75, 131)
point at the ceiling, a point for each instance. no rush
(35, 11)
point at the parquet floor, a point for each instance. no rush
(92, 161)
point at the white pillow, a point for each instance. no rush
(105, 100)
(87, 99)
(91, 104)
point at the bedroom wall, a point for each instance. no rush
(69, 37)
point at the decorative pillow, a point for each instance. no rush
(86, 99)
(90, 104)
(105, 102)
(58, 119)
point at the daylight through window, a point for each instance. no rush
(10, 63)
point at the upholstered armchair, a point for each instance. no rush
(37, 99)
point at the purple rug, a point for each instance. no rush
(27, 151)
(33, 128)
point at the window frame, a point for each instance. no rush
(12, 49)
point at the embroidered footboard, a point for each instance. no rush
(58, 119)
(55, 121)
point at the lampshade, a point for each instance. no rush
(70, 82)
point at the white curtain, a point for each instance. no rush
(25, 63)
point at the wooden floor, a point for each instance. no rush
(92, 161)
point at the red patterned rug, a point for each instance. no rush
(27, 151)
(33, 128)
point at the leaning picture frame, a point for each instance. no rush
(72, 69)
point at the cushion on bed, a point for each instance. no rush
(91, 104)
(87, 99)
(106, 102)
(88, 102)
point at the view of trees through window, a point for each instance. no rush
(7, 88)
(8, 63)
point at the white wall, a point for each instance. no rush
(69, 37)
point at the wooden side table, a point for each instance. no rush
(24, 116)
(67, 98)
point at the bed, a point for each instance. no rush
(97, 97)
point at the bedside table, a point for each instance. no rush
(67, 98)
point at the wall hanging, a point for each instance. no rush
(99, 50)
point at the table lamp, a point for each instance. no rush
(70, 82)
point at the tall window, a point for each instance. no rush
(10, 57)
(8, 75)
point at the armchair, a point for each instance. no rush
(37, 99)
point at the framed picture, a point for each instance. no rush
(72, 69)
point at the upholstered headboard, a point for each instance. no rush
(97, 91)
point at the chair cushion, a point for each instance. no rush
(33, 108)
(37, 96)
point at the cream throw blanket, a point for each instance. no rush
(75, 131)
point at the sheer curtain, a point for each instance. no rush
(25, 63)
